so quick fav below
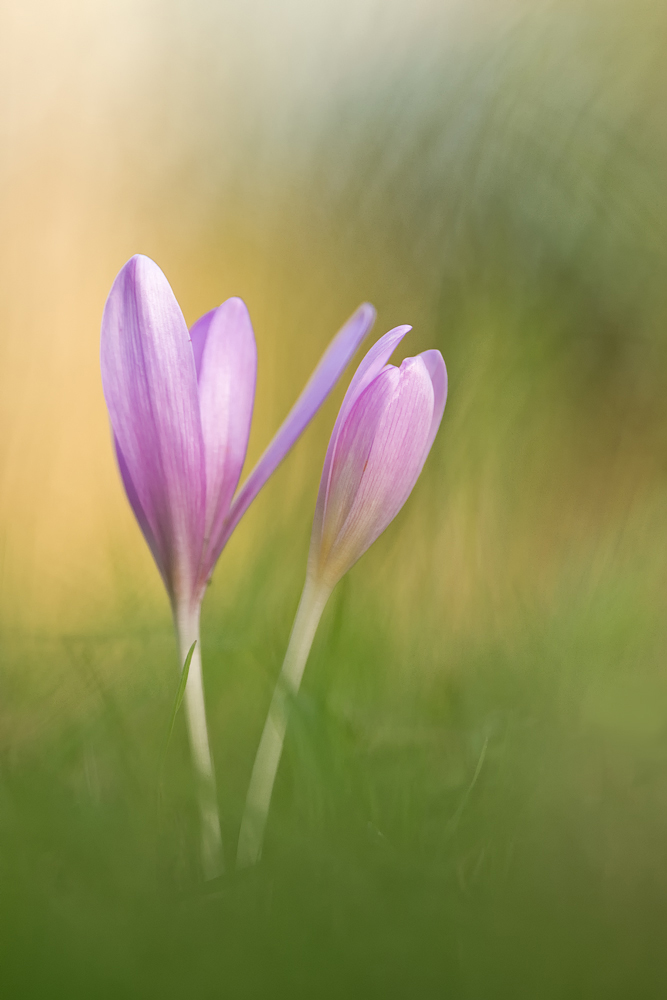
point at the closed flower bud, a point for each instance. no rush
(380, 442)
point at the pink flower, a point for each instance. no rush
(180, 406)
(383, 434)
(380, 441)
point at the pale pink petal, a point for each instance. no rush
(435, 365)
(227, 375)
(437, 371)
(369, 485)
(138, 510)
(353, 449)
(198, 335)
(320, 384)
(150, 387)
(370, 366)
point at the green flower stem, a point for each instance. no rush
(251, 837)
(187, 625)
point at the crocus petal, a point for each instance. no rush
(320, 384)
(138, 510)
(150, 387)
(227, 375)
(371, 366)
(435, 365)
(354, 444)
(368, 484)
(198, 335)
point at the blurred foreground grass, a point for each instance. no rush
(483, 817)
(473, 801)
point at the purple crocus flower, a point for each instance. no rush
(180, 405)
(381, 439)
(385, 428)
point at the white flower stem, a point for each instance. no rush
(187, 626)
(258, 800)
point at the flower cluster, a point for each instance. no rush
(180, 404)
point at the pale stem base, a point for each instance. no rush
(187, 626)
(251, 837)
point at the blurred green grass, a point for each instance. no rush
(493, 825)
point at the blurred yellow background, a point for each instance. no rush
(491, 172)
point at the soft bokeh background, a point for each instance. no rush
(473, 800)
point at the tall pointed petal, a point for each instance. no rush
(435, 365)
(227, 375)
(352, 453)
(198, 335)
(138, 510)
(150, 387)
(371, 366)
(318, 387)
(369, 483)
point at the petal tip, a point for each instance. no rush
(236, 307)
(368, 312)
(138, 270)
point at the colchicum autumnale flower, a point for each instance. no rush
(180, 405)
(381, 439)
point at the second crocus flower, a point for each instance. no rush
(381, 439)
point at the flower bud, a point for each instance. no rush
(383, 434)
